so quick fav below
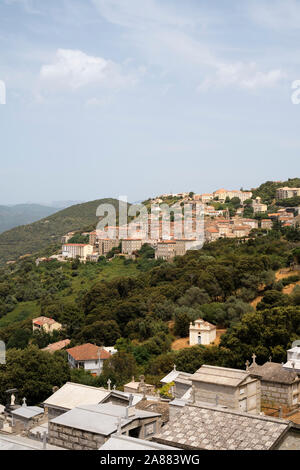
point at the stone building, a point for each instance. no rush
(280, 385)
(182, 383)
(202, 332)
(232, 388)
(47, 324)
(89, 427)
(293, 359)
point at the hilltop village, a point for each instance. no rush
(227, 214)
(135, 343)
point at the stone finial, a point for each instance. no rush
(24, 402)
(253, 359)
(247, 364)
(132, 379)
(270, 359)
(108, 384)
(174, 367)
(142, 379)
(114, 387)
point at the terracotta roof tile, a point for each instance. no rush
(88, 351)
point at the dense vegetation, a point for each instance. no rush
(28, 239)
(143, 305)
(267, 191)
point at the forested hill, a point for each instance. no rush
(39, 235)
(267, 191)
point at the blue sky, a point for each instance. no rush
(137, 98)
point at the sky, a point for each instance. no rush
(107, 98)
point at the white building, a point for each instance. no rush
(74, 250)
(202, 332)
(293, 359)
(89, 357)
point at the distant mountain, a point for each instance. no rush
(29, 239)
(21, 214)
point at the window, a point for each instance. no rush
(150, 429)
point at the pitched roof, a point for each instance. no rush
(220, 375)
(196, 427)
(100, 419)
(273, 372)
(88, 352)
(43, 321)
(72, 394)
(57, 346)
(155, 406)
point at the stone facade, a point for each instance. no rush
(232, 388)
(74, 439)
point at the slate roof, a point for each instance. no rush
(156, 407)
(209, 428)
(100, 419)
(220, 376)
(273, 372)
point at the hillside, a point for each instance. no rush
(21, 214)
(39, 235)
(267, 191)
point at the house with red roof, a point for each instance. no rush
(89, 357)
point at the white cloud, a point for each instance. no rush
(73, 69)
(243, 75)
(175, 40)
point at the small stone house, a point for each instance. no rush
(202, 332)
(46, 324)
(232, 388)
(280, 387)
(89, 427)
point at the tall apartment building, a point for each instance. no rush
(166, 249)
(287, 193)
(130, 245)
(105, 245)
(74, 250)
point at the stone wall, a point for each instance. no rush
(276, 394)
(74, 439)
